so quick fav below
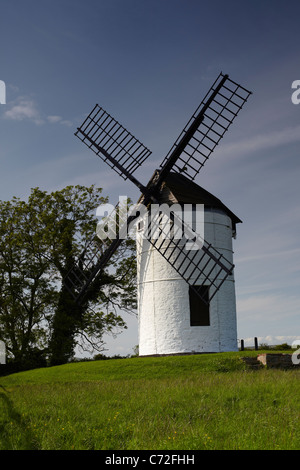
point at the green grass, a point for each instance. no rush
(182, 402)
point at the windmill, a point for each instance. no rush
(186, 293)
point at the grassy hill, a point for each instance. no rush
(209, 401)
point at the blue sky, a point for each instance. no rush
(149, 63)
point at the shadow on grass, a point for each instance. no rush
(18, 437)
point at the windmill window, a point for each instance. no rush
(199, 309)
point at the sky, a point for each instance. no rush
(149, 63)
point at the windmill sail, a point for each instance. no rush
(108, 139)
(202, 264)
(110, 234)
(206, 127)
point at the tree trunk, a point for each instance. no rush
(65, 325)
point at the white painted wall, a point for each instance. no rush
(163, 300)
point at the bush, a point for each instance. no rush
(282, 347)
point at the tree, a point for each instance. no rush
(27, 292)
(41, 241)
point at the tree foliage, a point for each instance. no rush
(39, 242)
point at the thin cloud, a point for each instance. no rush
(60, 120)
(262, 255)
(54, 119)
(26, 109)
(262, 142)
(271, 306)
(271, 340)
(65, 122)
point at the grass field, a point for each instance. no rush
(209, 401)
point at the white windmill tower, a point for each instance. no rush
(186, 296)
(173, 319)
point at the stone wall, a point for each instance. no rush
(279, 361)
(271, 361)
